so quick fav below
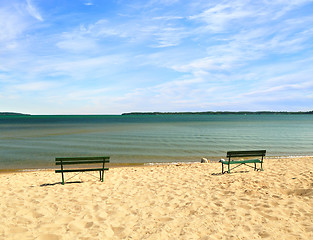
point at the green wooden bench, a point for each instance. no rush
(243, 154)
(100, 161)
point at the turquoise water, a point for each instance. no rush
(35, 141)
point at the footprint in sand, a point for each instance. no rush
(166, 219)
(264, 234)
(48, 237)
(18, 230)
(119, 232)
(302, 192)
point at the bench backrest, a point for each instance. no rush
(254, 153)
(81, 160)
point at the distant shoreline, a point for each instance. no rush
(13, 114)
(173, 113)
(215, 113)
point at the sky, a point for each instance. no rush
(115, 56)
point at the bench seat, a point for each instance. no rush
(81, 170)
(242, 161)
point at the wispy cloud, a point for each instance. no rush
(34, 86)
(220, 17)
(76, 42)
(12, 25)
(33, 11)
(88, 3)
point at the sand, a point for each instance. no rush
(162, 202)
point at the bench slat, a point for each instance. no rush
(246, 153)
(80, 162)
(81, 170)
(81, 158)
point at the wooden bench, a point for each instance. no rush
(82, 160)
(244, 154)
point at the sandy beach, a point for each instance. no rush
(183, 201)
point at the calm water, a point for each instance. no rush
(35, 141)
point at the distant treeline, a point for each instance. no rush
(182, 113)
(12, 114)
(215, 113)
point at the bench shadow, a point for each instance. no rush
(220, 174)
(59, 183)
(217, 174)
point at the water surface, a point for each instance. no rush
(35, 141)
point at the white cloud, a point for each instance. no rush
(205, 64)
(169, 37)
(155, 32)
(33, 11)
(88, 3)
(168, 18)
(11, 25)
(75, 42)
(87, 94)
(283, 7)
(16, 21)
(34, 86)
(87, 67)
(219, 17)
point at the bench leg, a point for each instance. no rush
(261, 168)
(62, 172)
(228, 171)
(62, 178)
(101, 175)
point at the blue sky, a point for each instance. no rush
(109, 57)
